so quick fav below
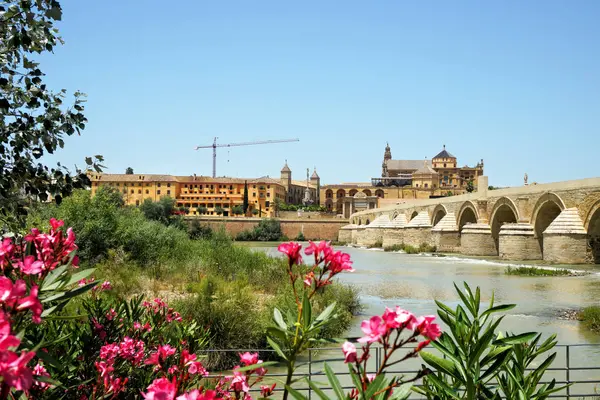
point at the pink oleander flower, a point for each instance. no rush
(109, 352)
(266, 390)
(6, 339)
(7, 249)
(106, 285)
(405, 318)
(173, 369)
(322, 247)
(14, 371)
(11, 292)
(160, 354)
(196, 395)
(55, 224)
(390, 319)
(371, 377)
(309, 279)
(137, 326)
(30, 266)
(292, 250)
(426, 327)
(337, 262)
(39, 370)
(374, 329)
(349, 351)
(239, 383)
(260, 371)
(111, 314)
(32, 303)
(194, 367)
(161, 389)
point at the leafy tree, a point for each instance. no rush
(245, 205)
(198, 231)
(33, 119)
(237, 210)
(129, 171)
(470, 186)
(219, 210)
(255, 212)
(163, 211)
(201, 210)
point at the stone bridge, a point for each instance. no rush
(556, 222)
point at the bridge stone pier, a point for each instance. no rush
(555, 222)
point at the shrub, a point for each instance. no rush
(426, 248)
(590, 317)
(377, 245)
(535, 271)
(300, 237)
(394, 247)
(219, 210)
(199, 231)
(267, 230)
(237, 210)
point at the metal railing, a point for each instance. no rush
(576, 364)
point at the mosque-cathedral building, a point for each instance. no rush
(402, 181)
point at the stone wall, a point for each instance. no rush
(445, 241)
(416, 236)
(315, 230)
(345, 236)
(393, 236)
(565, 248)
(519, 247)
(293, 215)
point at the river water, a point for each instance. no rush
(414, 281)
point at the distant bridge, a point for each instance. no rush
(556, 222)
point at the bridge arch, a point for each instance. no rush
(438, 213)
(467, 214)
(546, 209)
(592, 226)
(413, 215)
(352, 192)
(379, 193)
(504, 212)
(367, 192)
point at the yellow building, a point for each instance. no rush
(402, 181)
(205, 194)
(196, 193)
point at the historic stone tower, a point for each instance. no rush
(315, 180)
(286, 177)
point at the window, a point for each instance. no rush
(185, 185)
(131, 191)
(426, 185)
(137, 202)
(268, 186)
(267, 204)
(168, 192)
(124, 191)
(168, 185)
(139, 191)
(140, 184)
(444, 165)
(158, 191)
(268, 194)
(254, 194)
(158, 184)
(253, 186)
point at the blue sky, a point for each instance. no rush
(516, 83)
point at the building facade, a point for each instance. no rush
(404, 181)
(205, 195)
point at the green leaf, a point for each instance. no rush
(80, 275)
(432, 378)
(326, 313)
(276, 347)
(515, 339)
(440, 364)
(500, 308)
(279, 319)
(334, 382)
(317, 389)
(295, 394)
(52, 277)
(402, 392)
(277, 333)
(306, 312)
(375, 386)
(70, 293)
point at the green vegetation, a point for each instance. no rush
(377, 245)
(300, 237)
(230, 289)
(129, 171)
(590, 318)
(470, 186)
(408, 249)
(245, 200)
(267, 230)
(536, 271)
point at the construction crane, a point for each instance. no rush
(215, 145)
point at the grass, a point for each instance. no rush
(408, 249)
(590, 318)
(535, 271)
(377, 245)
